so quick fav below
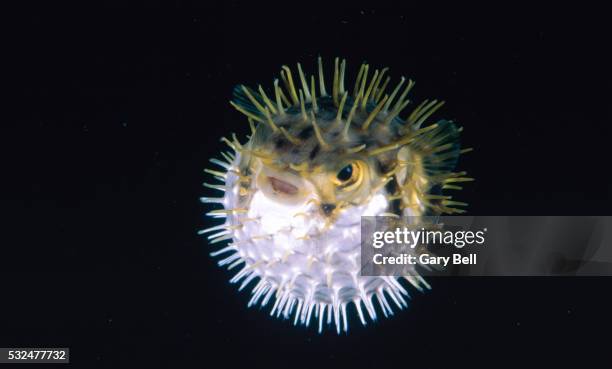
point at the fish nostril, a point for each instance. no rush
(328, 208)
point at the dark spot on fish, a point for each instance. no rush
(306, 133)
(395, 207)
(391, 187)
(314, 152)
(280, 143)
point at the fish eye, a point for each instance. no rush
(349, 177)
(345, 173)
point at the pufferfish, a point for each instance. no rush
(314, 164)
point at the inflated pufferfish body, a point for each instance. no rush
(315, 163)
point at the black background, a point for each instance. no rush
(118, 111)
